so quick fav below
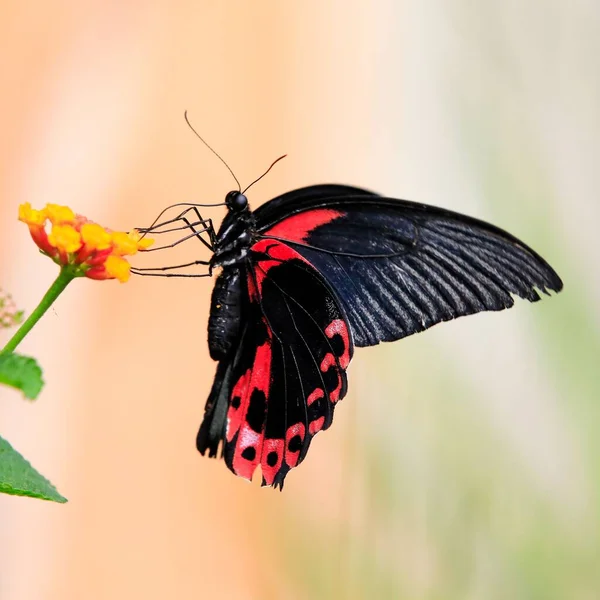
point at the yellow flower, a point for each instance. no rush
(123, 243)
(58, 214)
(127, 244)
(143, 243)
(30, 216)
(71, 239)
(118, 268)
(95, 236)
(65, 238)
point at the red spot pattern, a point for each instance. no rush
(326, 363)
(268, 471)
(298, 227)
(291, 458)
(248, 438)
(334, 396)
(257, 378)
(316, 425)
(234, 415)
(314, 396)
(338, 327)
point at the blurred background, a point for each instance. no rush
(464, 462)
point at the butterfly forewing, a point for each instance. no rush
(400, 267)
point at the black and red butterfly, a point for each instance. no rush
(315, 272)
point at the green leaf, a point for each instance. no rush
(21, 372)
(19, 478)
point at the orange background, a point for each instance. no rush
(446, 441)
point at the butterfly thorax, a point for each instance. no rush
(232, 246)
(234, 238)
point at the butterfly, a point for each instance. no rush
(312, 274)
(309, 276)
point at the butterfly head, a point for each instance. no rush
(236, 201)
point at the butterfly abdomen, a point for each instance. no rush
(225, 313)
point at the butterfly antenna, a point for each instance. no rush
(212, 150)
(257, 180)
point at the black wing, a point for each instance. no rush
(399, 267)
(280, 386)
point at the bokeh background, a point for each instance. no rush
(465, 461)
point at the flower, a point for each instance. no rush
(71, 239)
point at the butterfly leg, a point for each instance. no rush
(196, 233)
(158, 228)
(151, 271)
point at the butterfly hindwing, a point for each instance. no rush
(217, 412)
(244, 432)
(400, 267)
(288, 372)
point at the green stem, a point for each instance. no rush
(66, 275)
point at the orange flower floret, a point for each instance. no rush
(71, 239)
(118, 268)
(124, 244)
(145, 243)
(31, 216)
(57, 214)
(95, 236)
(65, 238)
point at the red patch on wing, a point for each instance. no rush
(297, 227)
(338, 327)
(249, 443)
(330, 361)
(314, 396)
(247, 452)
(277, 253)
(316, 425)
(272, 457)
(294, 439)
(234, 413)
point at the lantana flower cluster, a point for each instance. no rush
(71, 239)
